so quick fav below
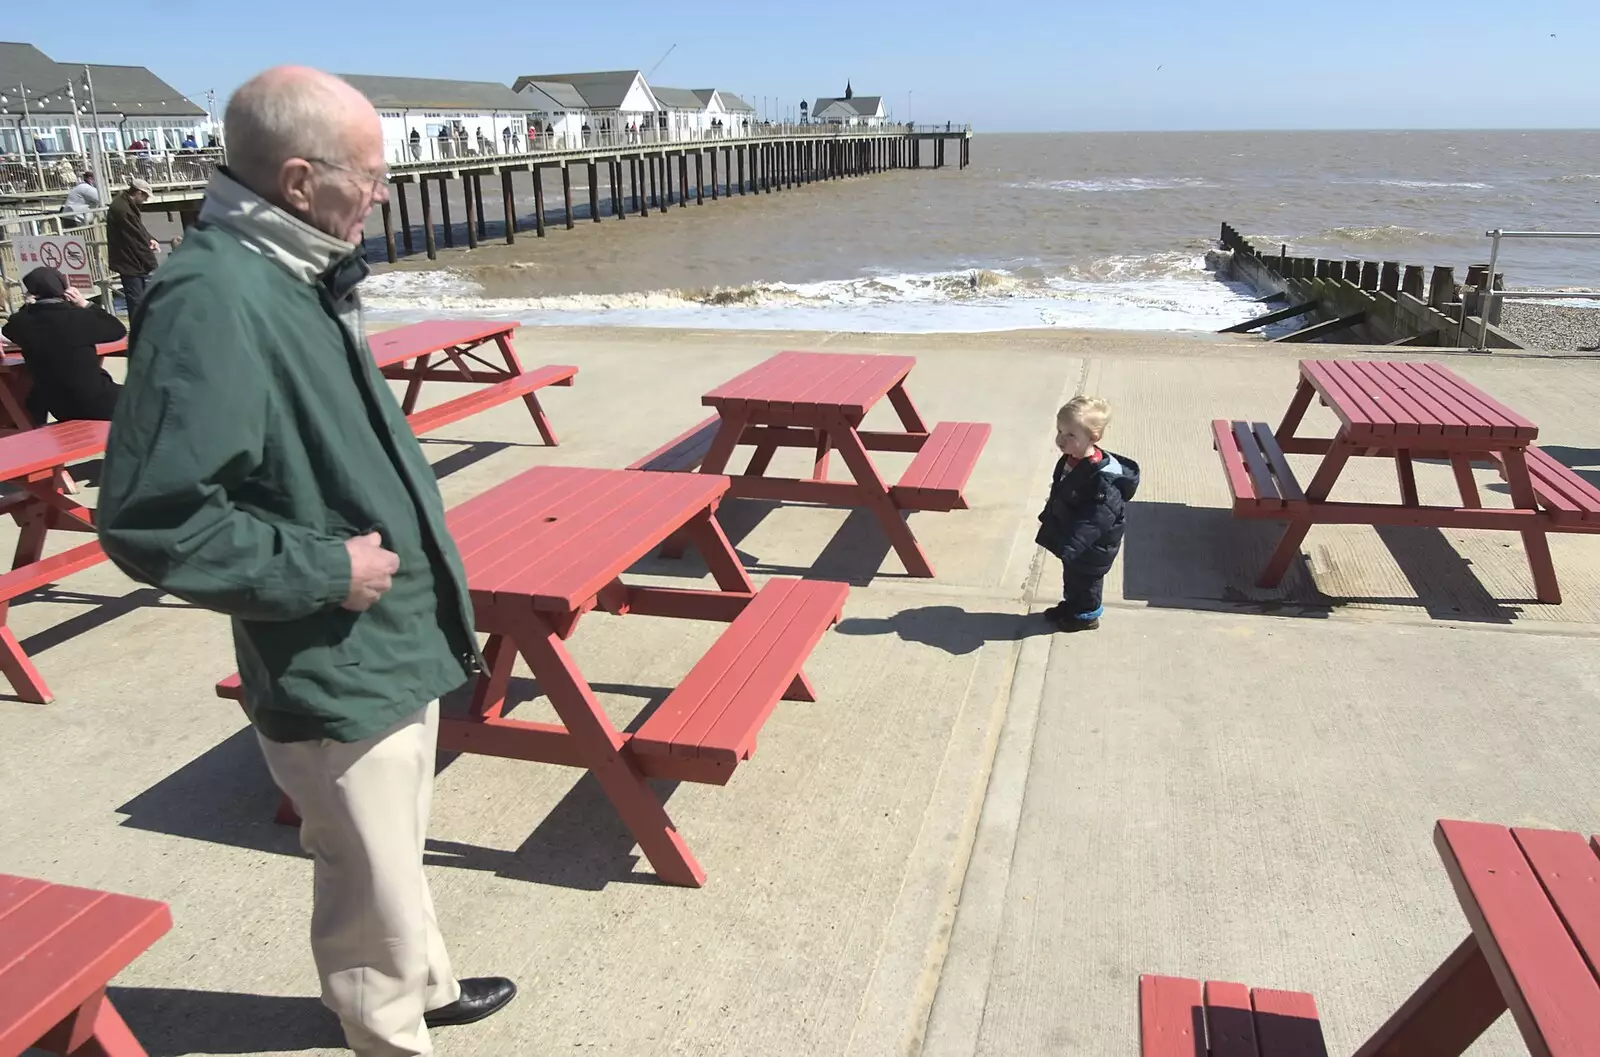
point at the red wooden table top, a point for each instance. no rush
(558, 534)
(813, 380)
(11, 356)
(57, 444)
(1412, 398)
(404, 343)
(58, 945)
(1533, 898)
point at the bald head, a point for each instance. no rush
(303, 140)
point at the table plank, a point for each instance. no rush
(1546, 982)
(404, 343)
(559, 534)
(1347, 399)
(1502, 420)
(1450, 417)
(1566, 866)
(813, 380)
(1386, 386)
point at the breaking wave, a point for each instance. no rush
(1167, 291)
(1131, 183)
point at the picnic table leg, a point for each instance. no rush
(94, 1029)
(489, 692)
(1408, 477)
(1294, 533)
(1534, 541)
(761, 459)
(601, 748)
(722, 561)
(819, 468)
(13, 416)
(1462, 465)
(414, 384)
(1447, 1013)
(909, 418)
(879, 501)
(18, 668)
(541, 421)
(1297, 411)
(729, 433)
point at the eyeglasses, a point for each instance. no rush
(377, 179)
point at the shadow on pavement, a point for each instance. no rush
(949, 628)
(172, 1022)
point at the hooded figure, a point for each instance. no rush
(57, 332)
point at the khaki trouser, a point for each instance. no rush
(373, 932)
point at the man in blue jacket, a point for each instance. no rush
(259, 466)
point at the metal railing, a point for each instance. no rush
(435, 150)
(93, 233)
(1488, 297)
(50, 174)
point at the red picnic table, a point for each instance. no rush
(59, 948)
(552, 544)
(817, 401)
(1532, 901)
(16, 383)
(33, 464)
(456, 350)
(1405, 411)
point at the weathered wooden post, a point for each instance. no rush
(477, 197)
(538, 200)
(1369, 275)
(566, 194)
(444, 213)
(1322, 268)
(468, 199)
(594, 193)
(388, 232)
(1496, 304)
(1389, 281)
(1352, 271)
(683, 179)
(1442, 287)
(740, 150)
(635, 171)
(427, 220)
(508, 203)
(655, 197)
(700, 176)
(1413, 281)
(405, 218)
(1472, 297)
(714, 193)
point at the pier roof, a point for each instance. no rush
(117, 89)
(384, 91)
(605, 90)
(861, 105)
(732, 102)
(680, 98)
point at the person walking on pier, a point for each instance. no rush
(130, 251)
(416, 145)
(259, 466)
(82, 200)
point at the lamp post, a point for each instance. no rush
(25, 131)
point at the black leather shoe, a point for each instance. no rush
(480, 997)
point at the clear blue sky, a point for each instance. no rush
(1024, 65)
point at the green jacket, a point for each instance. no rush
(253, 437)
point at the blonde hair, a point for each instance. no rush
(1089, 411)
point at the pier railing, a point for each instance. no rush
(33, 174)
(92, 231)
(1491, 296)
(434, 151)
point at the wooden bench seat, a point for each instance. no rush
(1259, 476)
(231, 689)
(682, 453)
(59, 948)
(709, 723)
(458, 408)
(35, 575)
(1180, 1018)
(1572, 502)
(939, 472)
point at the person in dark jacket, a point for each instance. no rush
(57, 331)
(130, 251)
(1083, 522)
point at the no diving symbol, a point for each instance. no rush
(50, 255)
(75, 256)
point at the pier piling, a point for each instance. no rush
(538, 200)
(388, 232)
(444, 213)
(469, 200)
(427, 222)
(477, 198)
(566, 194)
(405, 218)
(594, 193)
(508, 203)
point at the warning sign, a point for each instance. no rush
(66, 253)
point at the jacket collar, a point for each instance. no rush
(309, 255)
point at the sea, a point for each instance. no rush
(1090, 230)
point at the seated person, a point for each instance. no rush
(58, 331)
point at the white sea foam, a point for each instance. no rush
(1415, 184)
(1130, 183)
(1162, 292)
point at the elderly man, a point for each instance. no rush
(259, 466)
(130, 251)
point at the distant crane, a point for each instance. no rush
(659, 61)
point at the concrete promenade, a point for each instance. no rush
(980, 833)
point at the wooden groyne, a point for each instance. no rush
(1366, 302)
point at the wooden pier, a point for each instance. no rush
(1370, 302)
